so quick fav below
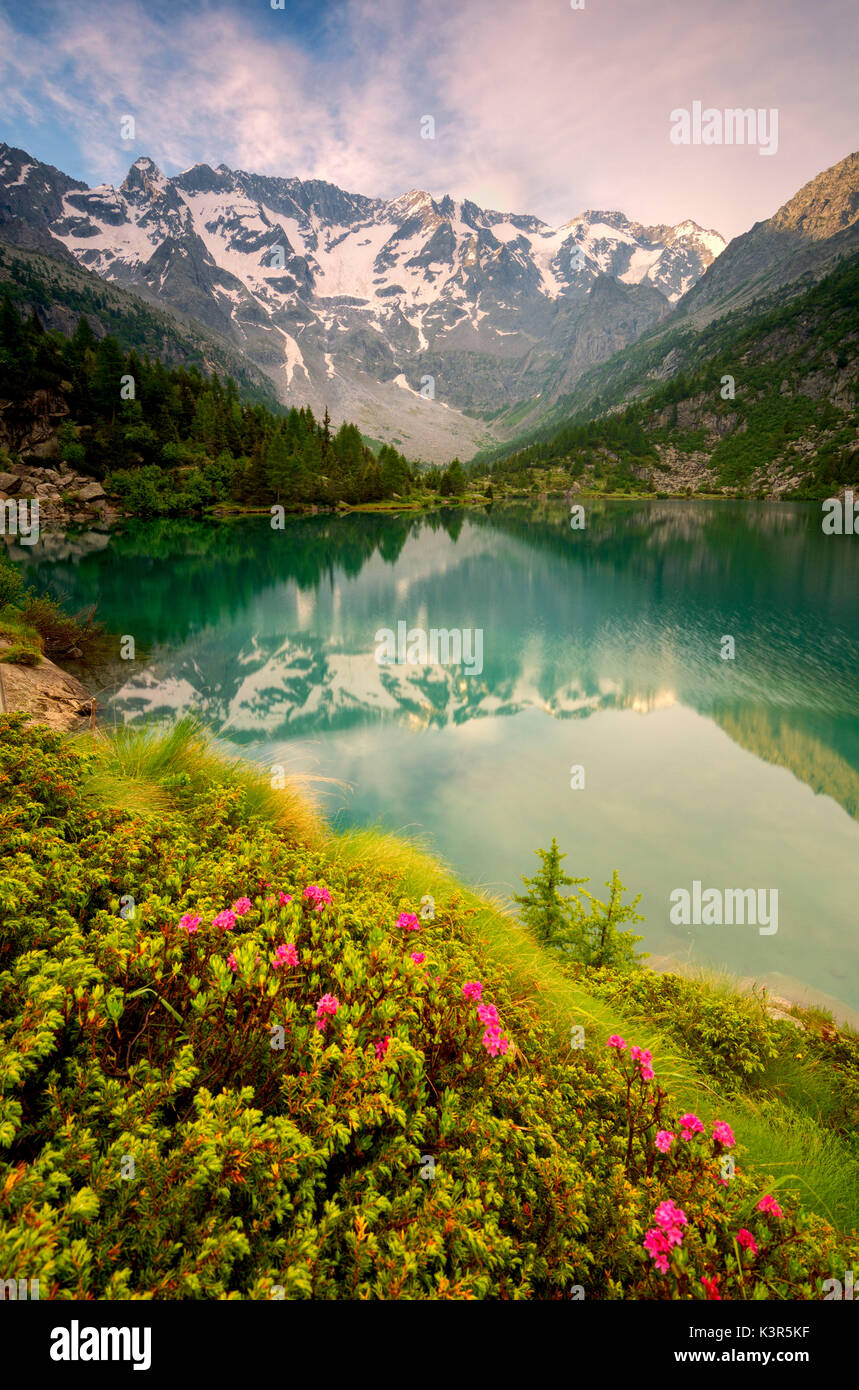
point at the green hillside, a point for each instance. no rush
(761, 402)
(62, 291)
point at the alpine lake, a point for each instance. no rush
(484, 681)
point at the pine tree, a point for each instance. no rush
(544, 909)
(596, 937)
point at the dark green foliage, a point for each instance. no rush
(11, 582)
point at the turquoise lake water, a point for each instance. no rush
(601, 649)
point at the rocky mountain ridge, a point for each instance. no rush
(419, 318)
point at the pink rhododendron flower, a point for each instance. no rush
(747, 1240)
(408, 921)
(225, 919)
(325, 1009)
(473, 989)
(769, 1204)
(689, 1125)
(493, 1041)
(488, 1014)
(644, 1060)
(658, 1249)
(615, 1041)
(190, 922)
(671, 1218)
(285, 955)
(318, 896)
(241, 906)
(382, 1047)
(418, 957)
(664, 1140)
(658, 1242)
(232, 962)
(712, 1286)
(284, 898)
(724, 1134)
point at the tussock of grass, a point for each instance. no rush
(20, 655)
(15, 630)
(150, 768)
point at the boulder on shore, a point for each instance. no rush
(49, 695)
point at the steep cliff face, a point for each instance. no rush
(804, 238)
(29, 427)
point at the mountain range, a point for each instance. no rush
(423, 320)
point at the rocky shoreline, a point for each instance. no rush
(48, 694)
(63, 495)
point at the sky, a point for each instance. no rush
(537, 107)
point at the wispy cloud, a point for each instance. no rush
(538, 107)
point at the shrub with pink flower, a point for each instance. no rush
(190, 922)
(690, 1125)
(285, 955)
(284, 898)
(418, 957)
(225, 919)
(712, 1286)
(325, 1009)
(672, 1219)
(493, 1040)
(242, 906)
(723, 1134)
(771, 1206)
(747, 1241)
(232, 962)
(381, 1047)
(318, 896)
(617, 1042)
(664, 1140)
(408, 921)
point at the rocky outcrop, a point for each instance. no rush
(49, 695)
(29, 427)
(62, 493)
